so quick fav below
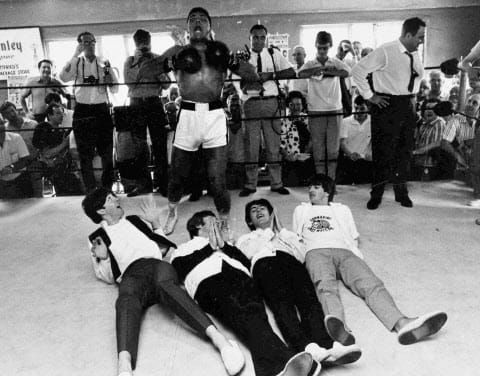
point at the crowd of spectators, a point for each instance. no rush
(297, 120)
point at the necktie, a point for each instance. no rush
(259, 63)
(413, 73)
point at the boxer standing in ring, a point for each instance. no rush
(200, 68)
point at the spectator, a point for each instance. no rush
(148, 113)
(430, 160)
(300, 85)
(295, 145)
(459, 134)
(92, 123)
(324, 102)
(436, 81)
(355, 163)
(48, 85)
(14, 157)
(346, 54)
(261, 101)
(422, 94)
(54, 160)
(18, 124)
(396, 71)
(357, 50)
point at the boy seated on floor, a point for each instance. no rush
(331, 240)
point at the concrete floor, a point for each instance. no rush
(57, 319)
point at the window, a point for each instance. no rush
(369, 34)
(115, 48)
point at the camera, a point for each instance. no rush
(90, 80)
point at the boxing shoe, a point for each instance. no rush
(337, 331)
(246, 192)
(421, 327)
(171, 221)
(300, 364)
(373, 203)
(232, 358)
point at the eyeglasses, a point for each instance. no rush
(89, 42)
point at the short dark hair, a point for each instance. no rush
(326, 182)
(44, 61)
(324, 38)
(197, 220)
(359, 101)
(200, 10)
(248, 207)
(79, 37)
(94, 201)
(258, 27)
(141, 36)
(6, 105)
(412, 25)
(52, 97)
(52, 107)
(423, 107)
(296, 94)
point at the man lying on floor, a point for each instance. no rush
(332, 254)
(128, 251)
(217, 276)
(277, 265)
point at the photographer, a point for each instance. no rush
(148, 112)
(92, 124)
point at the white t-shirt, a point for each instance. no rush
(357, 136)
(326, 226)
(12, 150)
(324, 93)
(130, 244)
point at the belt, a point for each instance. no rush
(198, 106)
(398, 96)
(266, 97)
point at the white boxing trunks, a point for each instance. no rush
(201, 124)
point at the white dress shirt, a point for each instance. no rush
(79, 68)
(269, 87)
(390, 67)
(263, 243)
(128, 245)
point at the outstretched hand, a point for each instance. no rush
(150, 212)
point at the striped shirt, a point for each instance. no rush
(458, 128)
(429, 134)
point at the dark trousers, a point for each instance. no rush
(149, 114)
(216, 162)
(93, 128)
(144, 283)
(286, 286)
(21, 187)
(354, 172)
(232, 297)
(392, 143)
